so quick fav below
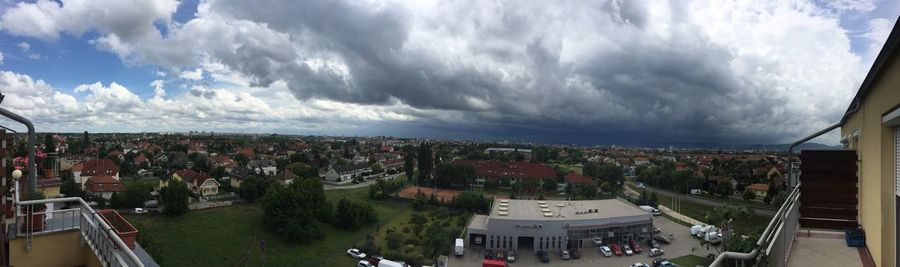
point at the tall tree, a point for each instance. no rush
(175, 198)
(426, 162)
(86, 140)
(49, 146)
(409, 163)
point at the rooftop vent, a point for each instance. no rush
(503, 209)
(542, 202)
(548, 214)
(502, 213)
(504, 201)
(545, 210)
(560, 205)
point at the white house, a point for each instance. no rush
(346, 173)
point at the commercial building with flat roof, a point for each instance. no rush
(558, 224)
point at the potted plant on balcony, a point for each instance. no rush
(34, 214)
(122, 227)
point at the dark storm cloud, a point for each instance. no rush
(511, 77)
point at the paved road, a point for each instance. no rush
(703, 201)
(359, 185)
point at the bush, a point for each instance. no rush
(353, 215)
(393, 241)
(253, 188)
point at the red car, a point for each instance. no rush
(635, 246)
(616, 249)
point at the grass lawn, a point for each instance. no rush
(571, 167)
(691, 261)
(698, 211)
(232, 236)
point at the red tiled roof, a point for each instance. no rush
(96, 167)
(758, 187)
(191, 176)
(140, 159)
(575, 178)
(508, 169)
(104, 183)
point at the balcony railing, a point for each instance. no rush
(96, 233)
(775, 243)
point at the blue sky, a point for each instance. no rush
(576, 72)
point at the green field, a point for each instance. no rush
(698, 211)
(691, 261)
(232, 236)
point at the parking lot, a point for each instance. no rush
(682, 244)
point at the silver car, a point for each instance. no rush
(606, 251)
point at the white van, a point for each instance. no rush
(459, 248)
(651, 210)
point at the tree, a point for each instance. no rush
(353, 215)
(748, 195)
(69, 187)
(426, 162)
(252, 188)
(770, 194)
(491, 184)
(175, 198)
(550, 185)
(470, 201)
(409, 163)
(303, 170)
(49, 145)
(85, 140)
(654, 200)
(437, 239)
(420, 200)
(136, 194)
(377, 168)
(296, 212)
(218, 172)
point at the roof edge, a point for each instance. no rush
(885, 57)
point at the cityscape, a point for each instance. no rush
(450, 133)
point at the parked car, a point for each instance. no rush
(139, 211)
(656, 252)
(627, 249)
(356, 254)
(488, 254)
(606, 251)
(616, 249)
(636, 246)
(652, 243)
(575, 254)
(663, 262)
(662, 239)
(564, 254)
(597, 241)
(500, 255)
(656, 230)
(511, 256)
(543, 256)
(640, 264)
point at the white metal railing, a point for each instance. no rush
(776, 240)
(95, 232)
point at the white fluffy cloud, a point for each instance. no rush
(717, 70)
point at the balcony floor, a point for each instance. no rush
(825, 249)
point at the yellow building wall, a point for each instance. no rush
(50, 192)
(166, 182)
(52, 250)
(875, 151)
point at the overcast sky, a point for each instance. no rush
(588, 72)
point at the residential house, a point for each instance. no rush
(759, 189)
(99, 167)
(395, 165)
(238, 175)
(141, 160)
(264, 166)
(103, 186)
(507, 170)
(577, 179)
(346, 173)
(195, 181)
(641, 160)
(285, 178)
(224, 161)
(161, 159)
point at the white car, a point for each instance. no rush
(356, 254)
(628, 251)
(655, 252)
(564, 254)
(639, 264)
(606, 251)
(597, 241)
(139, 211)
